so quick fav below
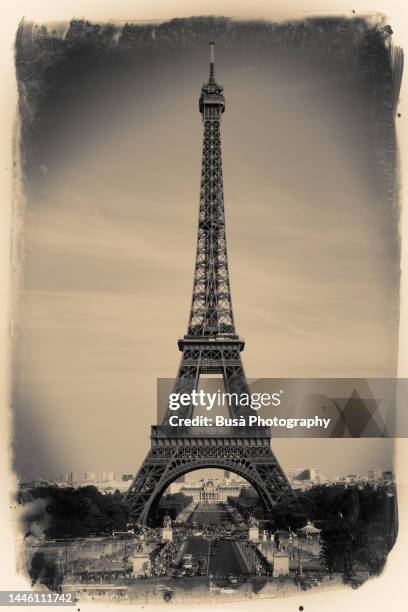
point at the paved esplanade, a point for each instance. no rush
(211, 514)
(222, 556)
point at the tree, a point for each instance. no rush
(342, 546)
(45, 571)
(37, 567)
(52, 577)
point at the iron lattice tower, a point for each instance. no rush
(211, 346)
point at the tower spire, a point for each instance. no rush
(211, 309)
(212, 61)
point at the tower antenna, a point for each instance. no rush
(212, 60)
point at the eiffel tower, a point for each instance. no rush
(211, 346)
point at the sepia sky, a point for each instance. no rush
(110, 231)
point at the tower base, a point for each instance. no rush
(244, 451)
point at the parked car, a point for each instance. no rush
(166, 590)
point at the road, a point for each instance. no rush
(222, 556)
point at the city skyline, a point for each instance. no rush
(205, 474)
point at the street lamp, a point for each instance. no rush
(390, 518)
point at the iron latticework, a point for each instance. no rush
(210, 346)
(211, 309)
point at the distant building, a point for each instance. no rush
(175, 487)
(305, 474)
(210, 490)
(349, 479)
(375, 475)
(110, 486)
(292, 473)
(34, 484)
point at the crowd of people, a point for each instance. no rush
(163, 562)
(143, 532)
